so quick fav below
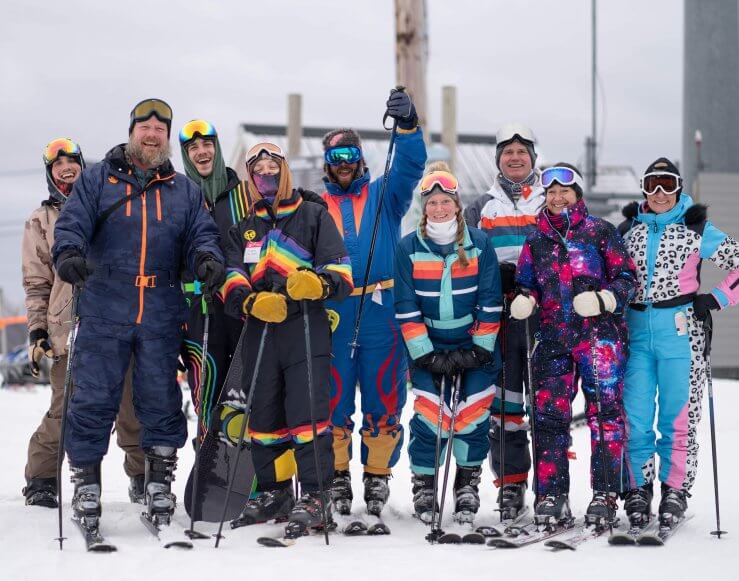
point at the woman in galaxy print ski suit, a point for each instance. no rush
(576, 269)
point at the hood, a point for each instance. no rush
(217, 182)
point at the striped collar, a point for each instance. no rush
(287, 207)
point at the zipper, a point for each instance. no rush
(142, 258)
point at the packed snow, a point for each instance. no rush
(28, 550)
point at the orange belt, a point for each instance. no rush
(383, 284)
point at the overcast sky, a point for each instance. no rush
(76, 68)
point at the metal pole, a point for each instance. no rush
(593, 80)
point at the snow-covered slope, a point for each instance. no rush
(28, 549)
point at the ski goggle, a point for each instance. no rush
(564, 176)
(443, 180)
(60, 146)
(149, 107)
(197, 127)
(512, 131)
(669, 183)
(264, 148)
(342, 154)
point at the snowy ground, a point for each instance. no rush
(28, 550)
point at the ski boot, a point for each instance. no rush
(466, 496)
(267, 505)
(341, 492)
(41, 492)
(86, 507)
(423, 497)
(136, 492)
(602, 509)
(376, 492)
(512, 499)
(638, 505)
(307, 514)
(672, 507)
(552, 510)
(160, 465)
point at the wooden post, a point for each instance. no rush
(449, 122)
(294, 124)
(411, 53)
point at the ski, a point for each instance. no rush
(377, 526)
(94, 541)
(166, 535)
(350, 526)
(449, 539)
(498, 530)
(581, 534)
(517, 537)
(293, 531)
(628, 537)
(661, 536)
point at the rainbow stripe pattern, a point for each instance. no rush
(342, 267)
(202, 394)
(235, 278)
(304, 434)
(238, 203)
(269, 438)
(281, 254)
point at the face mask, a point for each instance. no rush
(442, 232)
(267, 185)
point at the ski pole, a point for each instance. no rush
(309, 370)
(71, 338)
(375, 227)
(456, 389)
(708, 336)
(599, 415)
(207, 303)
(242, 432)
(501, 451)
(435, 528)
(532, 403)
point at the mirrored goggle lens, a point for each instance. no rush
(257, 150)
(61, 146)
(564, 176)
(669, 183)
(441, 179)
(150, 107)
(344, 154)
(196, 127)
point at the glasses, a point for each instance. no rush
(196, 127)
(669, 183)
(342, 154)
(149, 107)
(265, 148)
(443, 180)
(60, 146)
(564, 176)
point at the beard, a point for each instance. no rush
(146, 156)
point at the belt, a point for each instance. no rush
(156, 277)
(383, 284)
(676, 302)
(450, 324)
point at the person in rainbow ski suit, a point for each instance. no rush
(379, 363)
(448, 302)
(576, 268)
(668, 237)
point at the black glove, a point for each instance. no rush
(209, 271)
(704, 303)
(72, 267)
(470, 358)
(234, 305)
(401, 108)
(436, 362)
(507, 277)
(38, 349)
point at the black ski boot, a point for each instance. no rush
(423, 496)
(307, 514)
(672, 507)
(466, 495)
(512, 499)
(341, 492)
(376, 492)
(86, 507)
(552, 510)
(41, 492)
(602, 509)
(160, 465)
(638, 505)
(267, 505)
(136, 491)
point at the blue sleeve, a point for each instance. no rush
(406, 170)
(75, 226)
(710, 240)
(489, 298)
(407, 310)
(202, 234)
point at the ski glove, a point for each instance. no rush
(234, 305)
(592, 304)
(72, 267)
(209, 271)
(704, 303)
(38, 349)
(401, 108)
(522, 307)
(266, 306)
(470, 358)
(436, 362)
(306, 284)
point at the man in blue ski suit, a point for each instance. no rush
(379, 363)
(130, 226)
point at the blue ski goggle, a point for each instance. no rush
(564, 176)
(342, 154)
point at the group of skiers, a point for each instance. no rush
(522, 294)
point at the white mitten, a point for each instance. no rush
(587, 304)
(522, 307)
